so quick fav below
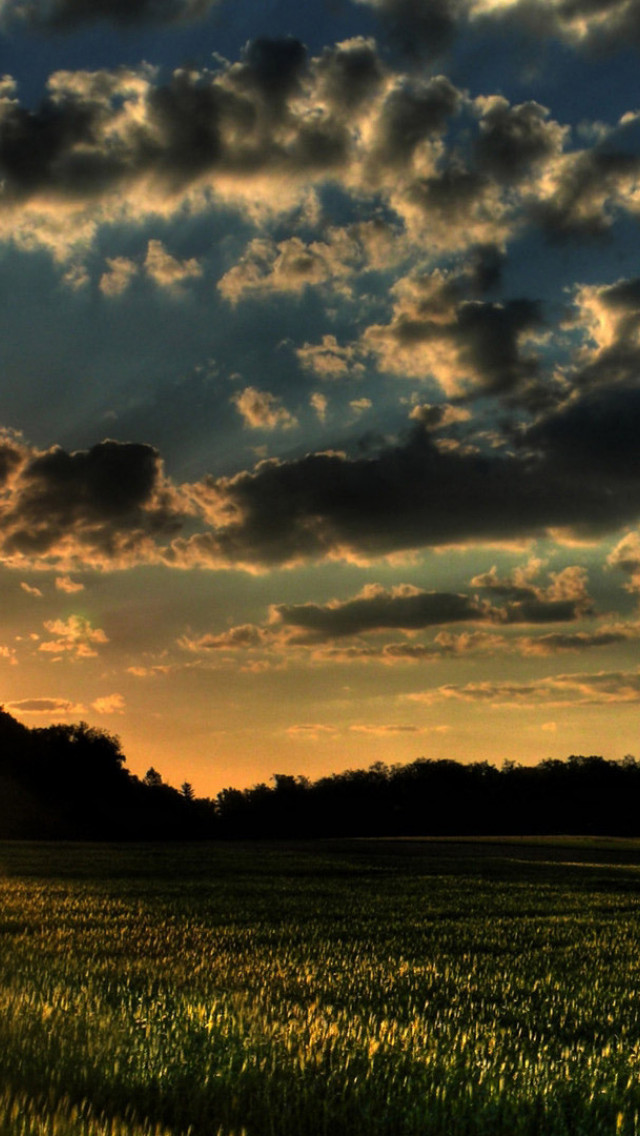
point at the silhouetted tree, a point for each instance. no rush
(71, 781)
(152, 779)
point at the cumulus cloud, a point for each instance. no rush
(74, 636)
(264, 134)
(291, 265)
(69, 586)
(261, 410)
(103, 507)
(319, 403)
(418, 28)
(330, 360)
(585, 192)
(415, 113)
(608, 319)
(350, 73)
(241, 638)
(410, 609)
(390, 654)
(565, 598)
(438, 416)
(575, 471)
(626, 557)
(360, 405)
(109, 704)
(412, 495)
(469, 346)
(166, 270)
(515, 141)
(119, 276)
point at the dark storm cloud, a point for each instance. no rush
(596, 436)
(470, 346)
(376, 608)
(273, 67)
(491, 171)
(450, 193)
(458, 173)
(623, 296)
(536, 610)
(65, 15)
(349, 73)
(37, 148)
(410, 495)
(103, 505)
(488, 340)
(578, 471)
(236, 121)
(414, 111)
(484, 265)
(514, 139)
(611, 317)
(411, 609)
(417, 28)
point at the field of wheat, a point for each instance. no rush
(363, 989)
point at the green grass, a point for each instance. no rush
(365, 988)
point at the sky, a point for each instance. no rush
(319, 396)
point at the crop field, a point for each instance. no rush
(364, 988)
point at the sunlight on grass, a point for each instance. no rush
(339, 994)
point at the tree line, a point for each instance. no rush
(71, 782)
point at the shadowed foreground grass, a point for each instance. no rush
(360, 988)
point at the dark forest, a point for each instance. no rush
(71, 782)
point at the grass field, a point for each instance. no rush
(404, 988)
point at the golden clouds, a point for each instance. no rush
(261, 410)
(600, 689)
(74, 636)
(440, 330)
(264, 134)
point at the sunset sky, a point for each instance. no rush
(320, 399)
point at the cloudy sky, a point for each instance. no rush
(320, 403)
